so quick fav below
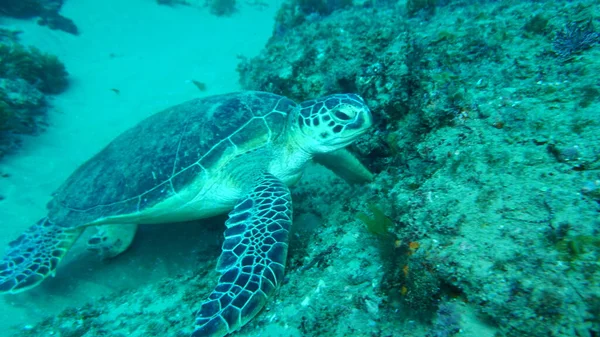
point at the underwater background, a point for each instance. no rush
(484, 215)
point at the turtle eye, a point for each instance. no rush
(344, 114)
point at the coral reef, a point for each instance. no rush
(473, 162)
(574, 39)
(45, 72)
(46, 10)
(447, 321)
(26, 76)
(487, 188)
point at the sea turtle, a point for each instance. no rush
(235, 152)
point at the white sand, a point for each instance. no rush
(149, 53)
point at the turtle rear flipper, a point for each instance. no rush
(112, 240)
(34, 255)
(252, 261)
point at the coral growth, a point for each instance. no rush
(474, 161)
(447, 321)
(46, 10)
(574, 39)
(26, 75)
(43, 71)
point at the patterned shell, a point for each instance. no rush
(167, 151)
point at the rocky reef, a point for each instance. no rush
(486, 148)
(27, 76)
(47, 12)
(483, 216)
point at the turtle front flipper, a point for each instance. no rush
(34, 255)
(345, 165)
(252, 261)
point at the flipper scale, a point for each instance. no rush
(252, 261)
(34, 255)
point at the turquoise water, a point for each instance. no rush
(467, 203)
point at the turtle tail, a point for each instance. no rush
(252, 261)
(34, 255)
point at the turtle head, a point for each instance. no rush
(331, 122)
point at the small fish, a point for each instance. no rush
(201, 86)
(116, 91)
